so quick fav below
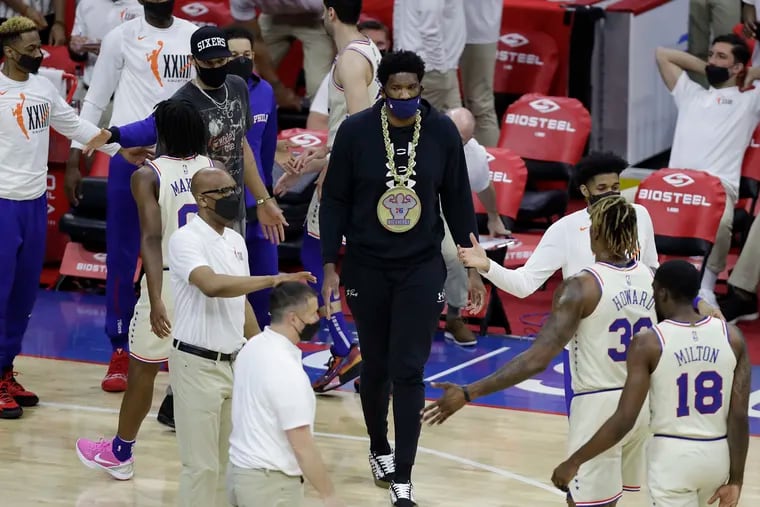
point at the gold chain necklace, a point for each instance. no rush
(399, 208)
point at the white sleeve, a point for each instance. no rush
(477, 166)
(685, 89)
(749, 2)
(646, 237)
(546, 259)
(430, 28)
(291, 403)
(105, 78)
(320, 104)
(64, 119)
(242, 10)
(186, 253)
(80, 27)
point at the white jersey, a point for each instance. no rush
(626, 307)
(140, 65)
(336, 99)
(690, 390)
(174, 198)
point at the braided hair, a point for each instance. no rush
(614, 219)
(180, 128)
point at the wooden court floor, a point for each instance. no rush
(481, 457)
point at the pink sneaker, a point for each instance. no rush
(98, 455)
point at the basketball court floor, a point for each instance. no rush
(499, 453)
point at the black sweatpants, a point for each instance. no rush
(396, 310)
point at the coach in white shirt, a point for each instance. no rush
(714, 127)
(273, 408)
(436, 31)
(483, 24)
(208, 262)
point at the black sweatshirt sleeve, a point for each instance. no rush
(456, 196)
(337, 195)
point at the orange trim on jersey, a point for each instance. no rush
(598, 502)
(146, 360)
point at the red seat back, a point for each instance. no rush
(508, 175)
(739, 30)
(204, 12)
(553, 129)
(526, 61)
(57, 57)
(751, 162)
(686, 207)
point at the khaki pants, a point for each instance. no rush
(318, 48)
(707, 20)
(477, 64)
(441, 89)
(263, 488)
(746, 273)
(202, 403)
(456, 274)
(716, 262)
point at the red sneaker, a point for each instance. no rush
(9, 409)
(340, 370)
(115, 380)
(23, 397)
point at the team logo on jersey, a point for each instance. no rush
(678, 180)
(628, 280)
(694, 335)
(176, 68)
(544, 106)
(184, 169)
(514, 40)
(34, 118)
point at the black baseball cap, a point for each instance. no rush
(209, 42)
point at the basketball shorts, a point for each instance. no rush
(312, 217)
(621, 468)
(685, 473)
(143, 344)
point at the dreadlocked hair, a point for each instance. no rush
(614, 219)
(12, 28)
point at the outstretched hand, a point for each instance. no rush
(451, 401)
(301, 276)
(728, 494)
(474, 257)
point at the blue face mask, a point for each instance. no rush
(403, 108)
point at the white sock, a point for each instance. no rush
(708, 280)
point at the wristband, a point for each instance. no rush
(696, 301)
(261, 201)
(115, 134)
(466, 394)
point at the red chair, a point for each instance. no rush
(508, 175)
(304, 137)
(739, 30)
(526, 62)
(550, 134)
(749, 188)
(57, 57)
(204, 12)
(686, 207)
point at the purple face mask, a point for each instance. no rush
(403, 108)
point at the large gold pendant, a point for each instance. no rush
(399, 209)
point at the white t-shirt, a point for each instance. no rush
(212, 323)
(30, 108)
(320, 102)
(713, 129)
(271, 394)
(477, 165)
(483, 19)
(95, 18)
(566, 245)
(434, 29)
(140, 65)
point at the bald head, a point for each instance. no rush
(210, 178)
(465, 122)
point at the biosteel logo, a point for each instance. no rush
(497, 176)
(543, 106)
(514, 41)
(676, 180)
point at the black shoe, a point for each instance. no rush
(736, 308)
(383, 468)
(166, 412)
(402, 494)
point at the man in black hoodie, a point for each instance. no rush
(390, 168)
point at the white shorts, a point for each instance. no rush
(621, 468)
(685, 473)
(312, 217)
(143, 344)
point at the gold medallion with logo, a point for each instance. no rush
(399, 208)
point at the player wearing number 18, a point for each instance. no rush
(696, 372)
(596, 312)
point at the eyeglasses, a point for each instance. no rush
(225, 191)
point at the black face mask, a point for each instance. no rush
(383, 52)
(159, 11)
(213, 77)
(717, 75)
(593, 199)
(308, 331)
(31, 64)
(241, 66)
(228, 208)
